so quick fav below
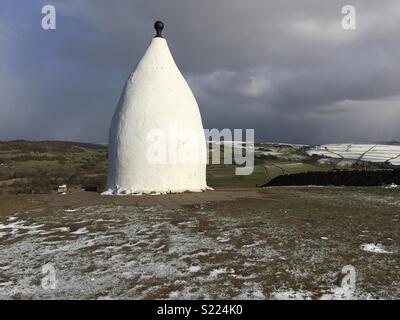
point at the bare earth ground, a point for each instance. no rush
(282, 243)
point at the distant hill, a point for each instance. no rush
(40, 166)
(51, 145)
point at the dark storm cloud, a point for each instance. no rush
(285, 68)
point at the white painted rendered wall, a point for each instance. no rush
(155, 96)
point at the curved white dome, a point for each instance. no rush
(155, 110)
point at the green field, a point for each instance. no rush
(39, 167)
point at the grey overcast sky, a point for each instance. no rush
(285, 68)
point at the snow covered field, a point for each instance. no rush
(360, 152)
(288, 243)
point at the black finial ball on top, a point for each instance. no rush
(159, 26)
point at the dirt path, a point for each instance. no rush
(14, 203)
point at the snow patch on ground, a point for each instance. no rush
(71, 210)
(80, 231)
(375, 248)
(216, 272)
(291, 295)
(194, 269)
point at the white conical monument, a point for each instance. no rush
(156, 140)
